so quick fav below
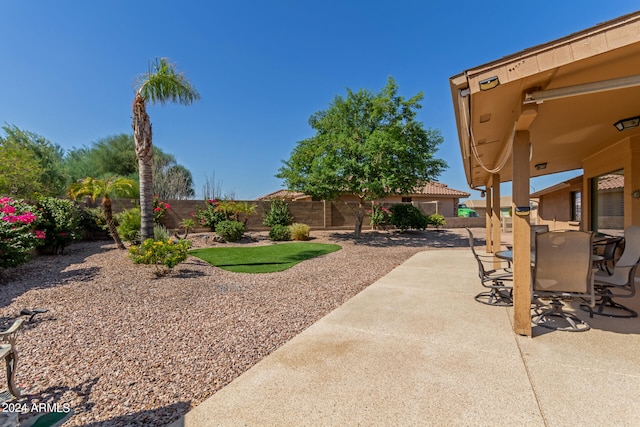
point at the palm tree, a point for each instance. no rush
(161, 84)
(105, 188)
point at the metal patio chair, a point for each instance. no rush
(621, 282)
(607, 248)
(498, 281)
(9, 353)
(563, 270)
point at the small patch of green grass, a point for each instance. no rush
(263, 259)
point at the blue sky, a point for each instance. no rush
(261, 67)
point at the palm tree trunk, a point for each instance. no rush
(108, 215)
(144, 151)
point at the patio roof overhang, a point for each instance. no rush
(567, 94)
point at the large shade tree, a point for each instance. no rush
(37, 164)
(367, 145)
(161, 84)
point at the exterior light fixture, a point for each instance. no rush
(629, 123)
(541, 166)
(489, 83)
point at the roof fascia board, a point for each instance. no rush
(584, 44)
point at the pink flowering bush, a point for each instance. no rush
(379, 217)
(160, 208)
(17, 237)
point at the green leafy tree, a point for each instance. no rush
(106, 189)
(367, 145)
(160, 84)
(51, 176)
(116, 155)
(21, 173)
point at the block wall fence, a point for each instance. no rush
(335, 215)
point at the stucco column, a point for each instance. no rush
(521, 235)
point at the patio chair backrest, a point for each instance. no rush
(535, 229)
(629, 257)
(564, 262)
(481, 271)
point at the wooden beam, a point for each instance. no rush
(487, 216)
(521, 235)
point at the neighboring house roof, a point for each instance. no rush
(284, 194)
(611, 182)
(606, 182)
(430, 189)
(439, 189)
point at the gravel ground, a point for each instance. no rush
(123, 348)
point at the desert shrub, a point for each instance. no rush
(279, 233)
(231, 231)
(17, 237)
(209, 216)
(278, 214)
(129, 225)
(60, 221)
(92, 220)
(299, 231)
(160, 232)
(406, 216)
(437, 220)
(163, 254)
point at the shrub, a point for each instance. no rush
(60, 221)
(17, 237)
(160, 232)
(160, 208)
(279, 233)
(278, 214)
(92, 220)
(299, 231)
(187, 224)
(209, 216)
(163, 254)
(405, 216)
(129, 225)
(231, 231)
(379, 217)
(437, 220)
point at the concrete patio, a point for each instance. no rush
(415, 348)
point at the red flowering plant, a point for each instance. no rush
(17, 237)
(379, 217)
(160, 208)
(210, 215)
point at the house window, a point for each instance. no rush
(576, 206)
(406, 200)
(607, 206)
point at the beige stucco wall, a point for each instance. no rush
(623, 155)
(555, 208)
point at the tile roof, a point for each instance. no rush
(283, 194)
(440, 189)
(611, 182)
(431, 188)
